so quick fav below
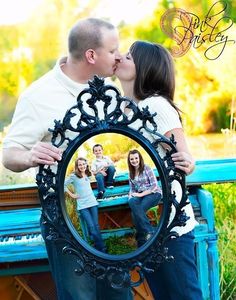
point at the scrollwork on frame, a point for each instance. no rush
(100, 109)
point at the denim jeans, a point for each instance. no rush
(90, 215)
(139, 206)
(70, 286)
(105, 180)
(177, 279)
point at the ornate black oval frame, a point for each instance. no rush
(83, 121)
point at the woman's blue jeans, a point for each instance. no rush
(105, 180)
(177, 279)
(90, 215)
(139, 206)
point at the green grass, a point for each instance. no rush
(224, 196)
(121, 245)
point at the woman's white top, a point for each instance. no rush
(166, 119)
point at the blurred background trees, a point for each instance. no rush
(205, 88)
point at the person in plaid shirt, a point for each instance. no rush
(144, 193)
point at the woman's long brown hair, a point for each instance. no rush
(155, 74)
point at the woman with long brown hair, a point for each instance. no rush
(144, 194)
(147, 76)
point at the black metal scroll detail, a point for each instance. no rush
(100, 108)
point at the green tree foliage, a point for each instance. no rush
(204, 86)
(28, 50)
(231, 9)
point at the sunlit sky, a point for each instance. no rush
(16, 11)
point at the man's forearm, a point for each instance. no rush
(15, 159)
(18, 160)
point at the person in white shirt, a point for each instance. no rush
(147, 76)
(103, 169)
(92, 49)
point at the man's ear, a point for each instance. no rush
(90, 55)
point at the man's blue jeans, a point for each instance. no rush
(139, 206)
(90, 215)
(105, 180)
(177, 280)
(70, 286)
